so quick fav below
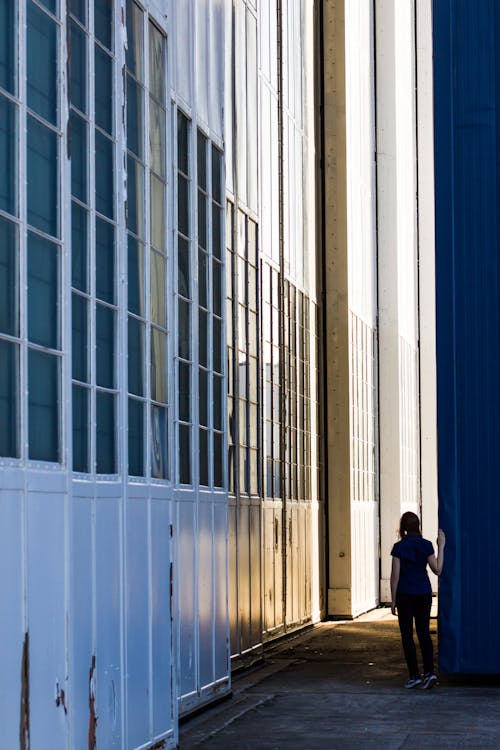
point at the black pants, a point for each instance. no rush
(416, 607)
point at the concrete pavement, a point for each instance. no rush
(338, 686)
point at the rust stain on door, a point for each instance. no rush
(24, 724)
(92, 714)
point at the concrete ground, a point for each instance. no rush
(339, 686)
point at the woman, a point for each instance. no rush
(412, 594)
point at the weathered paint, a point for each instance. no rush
(467, 138)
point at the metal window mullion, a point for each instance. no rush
(146, 207)
(195, 306)
(91, 265)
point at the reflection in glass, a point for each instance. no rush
(134, 117)
(217, 174)
(43, 412)
(105, 260)
(217, 288)
(80, 429)
(105, 433)
(158, 366)
(202, 220)
(157, 213)
(43, 193)
(105, 346)
(41, 62)
(218, 400)
(104, 172)
(157, 138)
(135, 438)
(156, 64)
(182, 143)
(79, 10)
(9, 285)
(203, 338)
(134, 54)
(202, 161)
(217, 347)
(135, 356)
(159, 442)
(78, 157)
(204, 480)
(79, 265)
(202, 279)
(78, 62)
(103, 22)
(79, 337)
(184, 329)
(8, 34)
(9, 395)
(184, 392)
(203, 396)
(185, 454)
(157, 291)
(216, 232)
(218, 460)
(183, 205)
(184, 285)
(8, 156)
(135, 276)
(135, 196)
(43, 291)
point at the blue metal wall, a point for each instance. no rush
(467, 173)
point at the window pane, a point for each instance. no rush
(202, 161)
(7, 45)
(105, 434)
(158, 366)
(105, 260)
(217, 348)
(79, 252)
(43, 388)
(203, 338)
(184, 392)
(202, 220)
(216, 232)
(135, 117)
(184, 330)
(184, 283)
(103, 90)
(41, 60)
(79, 10)
(218, 396)
(9, 395)
(103, 22)
(135, 196)
(8, 156)
(203, 396)
(182, 143)
(157, 138)
(218, 461)
(184, 454)
(43, 194)
(183, 205)
(43, 291)
(80, 429)
(202, 278)
(156, 64)
(135, 357)
(158, 289)
(135, 255)
(217, 175)
(134, 40)
(157, 213)
(104, 183)
(79, 340)
(78, 157)
(105, 343)
(135, 438)
(9, 284)
(159, 443)
(217, 288)
(204, 458)
(50, 5)
(78, 71)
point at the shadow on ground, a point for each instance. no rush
(339, 686)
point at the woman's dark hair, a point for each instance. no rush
(409, 524)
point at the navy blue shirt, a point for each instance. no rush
(413, 552)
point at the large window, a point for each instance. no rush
(146, 247)
(93, 238)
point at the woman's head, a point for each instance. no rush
(409, 524)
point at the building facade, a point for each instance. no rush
(216, 392)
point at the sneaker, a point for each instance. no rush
(429, 681)
(413, 682)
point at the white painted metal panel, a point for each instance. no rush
(183, 49)
(216, 54)
(228, 98)
(233, 580)
(137, 619)
(221, 647)
(186, 588)
(244, 576)
(46, 552)
(161, 636)
(255, 574)
(202, 66)
(12, 631)
(241, 98)
(252, 111)
(365, 537)
(108, 617)
(205, 592)
(82, 619)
